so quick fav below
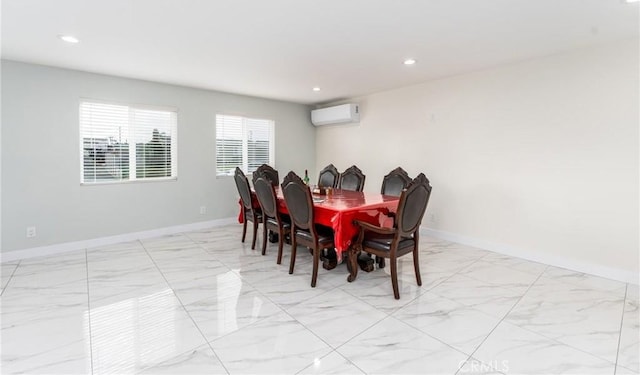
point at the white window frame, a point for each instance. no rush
(132, 178)
(245, 143)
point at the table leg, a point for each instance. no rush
(273, 237)
(330, 260)
(354, 250)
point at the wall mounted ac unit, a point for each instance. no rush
(339, 114)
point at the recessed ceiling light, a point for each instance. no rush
(69, 39)
(316, 89)
(632, 1)
(409, 62)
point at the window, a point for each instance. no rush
(242, 142)
(121, 143)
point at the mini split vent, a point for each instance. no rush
(339, 114)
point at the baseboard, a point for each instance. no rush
(79, 245)
(557, 261)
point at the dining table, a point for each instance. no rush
(339, 209)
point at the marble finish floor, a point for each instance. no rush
(203, 302)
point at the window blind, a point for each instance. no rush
(126, 143)
(243, 142)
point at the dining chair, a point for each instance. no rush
(403, 238)
(394, 182)
(329, 176)
(272, 219)
(304, 231)
(270, 172)
(352, 179)
(249, 212)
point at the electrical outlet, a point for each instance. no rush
(203, 210)
(31, 232)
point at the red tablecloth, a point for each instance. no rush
(339, 210)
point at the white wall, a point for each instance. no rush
(539, 159)
(41, 160)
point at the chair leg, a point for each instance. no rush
(293, 253)
(255, 234)
(264, 237)
(316, 261)
(244, 229)
(280, 246)
(394, 277)
(416, 266)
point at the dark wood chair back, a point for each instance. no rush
(242, 183)
(274, 222)
(329, 176)
(352, 179)
(412, 205)
(249, 213)
(393, 183)
(270, 173)
(297, 197)
(266, 194)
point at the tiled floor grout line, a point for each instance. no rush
(563, 344)
(461, 274)
(540, 334)
(86, 264)
(10, 277)
(554, 339)
(333, 349)
(200, 245)
(624, 307)
(428, 334)
(390, 314)
(255, 270)
(501, 320)
(328, 354)
(184, 309)
(283, 310)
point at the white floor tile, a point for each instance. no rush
(518, 264)
(46, 342)
(499, 275)
(630, 337)
(393, 347)
(625, 371)
(203, 302)
(476, 367)
(488, 298)
(137, 333)
(336, 316)
(583, 280)
(332, 364)
(73, 358)
(6, 272)
(229, 310)
(197, 361)
(276, 345)
(459, 326)
(193, 290)
(588, 320)
(519, 351)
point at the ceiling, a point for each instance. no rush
(280, 49)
